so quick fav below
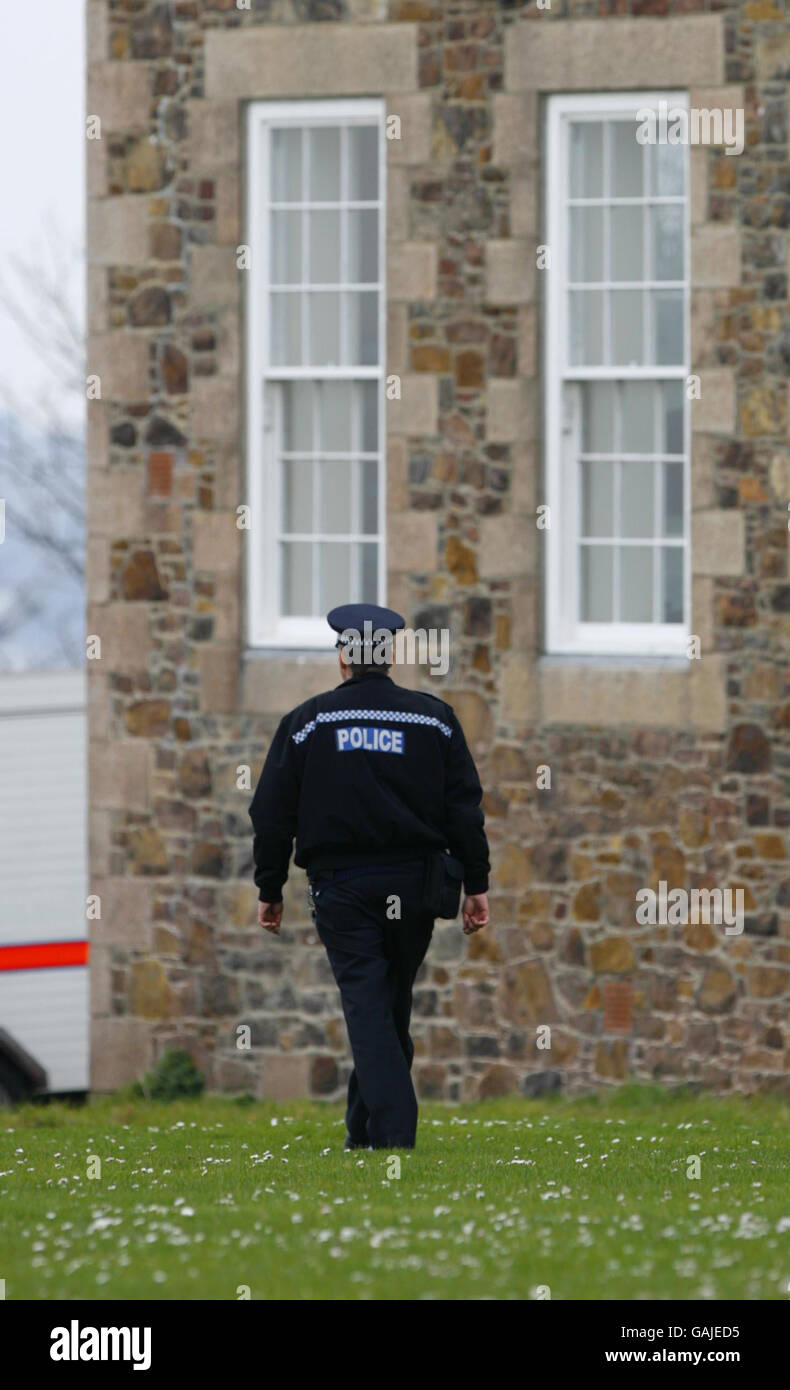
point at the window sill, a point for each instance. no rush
(637, 692)
(617, 660)
(287, 652)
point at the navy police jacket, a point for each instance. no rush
(367, 773)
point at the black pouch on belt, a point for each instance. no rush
(444, 878)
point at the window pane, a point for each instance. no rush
(673, 499)
(286, 346)
(626, 328)
(597, 498)
(286, 166)
(369, 574)
(672, 422)
(363, 154)
(286, 248)
(336, 496)
(298, 406)
(598, 417)
(627, 160)
(297, 578)
(316, 322)
(324, 248)
(324, 164)
(636, 584)
(335, 562)
(363, 328)
(626, 244)
(637, 400)
(586, 244)
(668, 313)
(298, 495)
(666, 233)
(672, 584)
(636, 499)
(324, 329)
(363, 246)
(369, 392)
(668, 167)
(586, 174)
(624, 321)
(369, 496)
(586, 327)
(596, 583)
(336, 417)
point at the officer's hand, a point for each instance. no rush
(475, 912)
(270, 915)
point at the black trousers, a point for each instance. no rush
(376, 933)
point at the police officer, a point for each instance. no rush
(376, 784)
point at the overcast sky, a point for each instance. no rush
(42, 154)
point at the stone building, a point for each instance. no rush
(521, 306)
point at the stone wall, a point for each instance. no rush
(658, 772)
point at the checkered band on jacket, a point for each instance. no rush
(388, 715)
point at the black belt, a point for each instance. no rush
(325, 859)
(338, 875)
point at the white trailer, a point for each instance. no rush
(43, 884)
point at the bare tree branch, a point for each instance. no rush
(42, 460)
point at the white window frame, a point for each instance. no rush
(266, 626)
(565, 633)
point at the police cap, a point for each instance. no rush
(353, 617)
(361, 627)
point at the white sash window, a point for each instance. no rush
(617, 352)
(315, 335)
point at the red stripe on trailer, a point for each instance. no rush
(44, 955)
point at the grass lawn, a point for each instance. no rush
(590, 1197)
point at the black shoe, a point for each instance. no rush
(355, 1143)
